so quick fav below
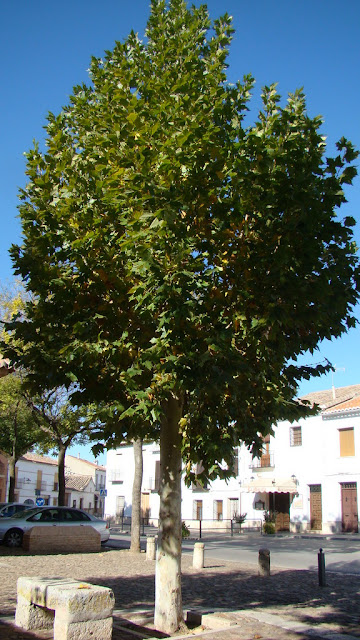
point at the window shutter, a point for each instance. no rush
(347, 443)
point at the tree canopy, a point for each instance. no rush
(180, 258)
(169, 246)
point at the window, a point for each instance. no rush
(120, 506)
(157, 476)
(197, 509)
(295, 436)
(218, 510)
(74, 503)
(233, 508)
(197, 485)
(234, 466)
(347, 442)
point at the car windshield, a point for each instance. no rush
(24, 514)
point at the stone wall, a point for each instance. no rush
(61, 539)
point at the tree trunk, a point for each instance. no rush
(61, 474)
(11, 464)
(136, 497)
(168, 602)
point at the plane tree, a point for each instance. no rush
(182, 258)
(61, 425)
(18, 431)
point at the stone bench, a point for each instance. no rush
(77, 610)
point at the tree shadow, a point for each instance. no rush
(294, 594)
(9, 631)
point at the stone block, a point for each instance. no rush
(82, 610)
(61, 539)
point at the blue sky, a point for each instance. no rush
(45, 49)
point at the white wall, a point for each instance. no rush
(316, 461)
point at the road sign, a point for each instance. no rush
(40, 502)
(103, 492)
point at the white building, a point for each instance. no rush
(37, 476)
(308, 474)
(97, 472)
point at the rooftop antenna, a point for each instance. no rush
(335, 369)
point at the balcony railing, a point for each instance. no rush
(153, 484)
(115, 476)
(266, 461)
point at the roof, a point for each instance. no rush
(92, 464)
(35, 457)
(5, 367)
(77, 482)
(348, 405)
(326, 400)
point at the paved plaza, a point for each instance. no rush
(288, 605)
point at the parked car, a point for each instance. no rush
(7, 509)
(12, 529)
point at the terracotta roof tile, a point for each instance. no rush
(35, 457)
(325, 399)
(77, 482)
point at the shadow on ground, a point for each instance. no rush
(295, 594)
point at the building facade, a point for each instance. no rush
(307, 475)
(36, 477)
(97, 472)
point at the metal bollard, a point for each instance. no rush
(150, 548)
(198, 558)
(264, 562)
(321, 568)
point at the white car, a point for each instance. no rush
(12, 529)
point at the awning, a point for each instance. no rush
(271, 485)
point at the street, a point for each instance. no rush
(341, 554)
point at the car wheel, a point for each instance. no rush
(14, 538)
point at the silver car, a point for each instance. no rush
(12, 529)
(7, 509)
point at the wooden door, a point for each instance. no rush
(349, 511)
(315, 507)
(145, 507)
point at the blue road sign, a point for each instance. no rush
(40, 502)
(103, 492)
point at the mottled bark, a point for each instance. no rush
(136, 497)
(168, 602)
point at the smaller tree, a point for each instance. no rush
(62, 425)
(19, 432)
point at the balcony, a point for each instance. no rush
(116, 476)
(22, 482)
(152, 484)
(265, 462)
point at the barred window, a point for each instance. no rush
(295, 436)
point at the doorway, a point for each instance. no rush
(145, 507)
(315, 507)
(280, 503)
(349, 509)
